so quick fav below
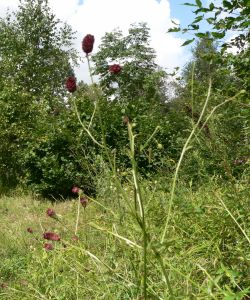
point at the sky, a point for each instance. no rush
(97, 17)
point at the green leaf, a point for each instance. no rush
(202, 9)
(211, 6)
(199, 3)
(201, 35)
(198, 19)
(175, 23)
(174, 29)
(210, 20)
(218, 35)
(187, 42)
(227, 4)
(189, 4)
(194, 26)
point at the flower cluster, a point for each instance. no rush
(75, 190)
(82, 198)
(52, 236)
(48, 246)
(51, 213)
(71, 84)
(84, 201)
(115, 69)
(87, 47)
(30, 230)
(88, 43)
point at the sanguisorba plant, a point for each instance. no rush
(137, 210)
(148, 246)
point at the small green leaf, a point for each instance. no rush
(189, 4)
(199, 3)
(175, 23)
(198, 19)
(218, 35)
(202, 9)
(187, 42)
(211, 6)
(201, 35)
(194, 26)
(174, 29)
(227, 4)
(210, 20)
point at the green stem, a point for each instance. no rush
(77, 215)
(185, 148)
(83, 126)
(138, 199)
(89, 66)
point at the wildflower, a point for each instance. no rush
(3, 285)
(51, 236)
(240, 161)
(71, 84)
(75, 238)
(75, 190)
(51, 213)
(24, 282)
(30, 230)
(88, 43)
(48, 246)
(84, 201)
(115, 69)
(126, 120)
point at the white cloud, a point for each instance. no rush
(99, 16)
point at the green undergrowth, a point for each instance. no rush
(205, 252)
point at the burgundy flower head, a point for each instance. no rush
(71, 84)
(48, 246)
(84, 201)
(51, 213)
(126, 120)
(115, 69)
(75, 238)
(75, 189)
(30, 230)
(88, 43)
(51, 236)
(3, 285)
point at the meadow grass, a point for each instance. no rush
(205, 254)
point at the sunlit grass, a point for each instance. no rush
(205, 254)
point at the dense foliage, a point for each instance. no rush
(34, 64)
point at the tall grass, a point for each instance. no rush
(138, 239)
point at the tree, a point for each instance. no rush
(225, 138)
(34, 65)
(229, 26)
(33, 51)
(139, 75)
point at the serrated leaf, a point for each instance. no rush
(187, 42)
